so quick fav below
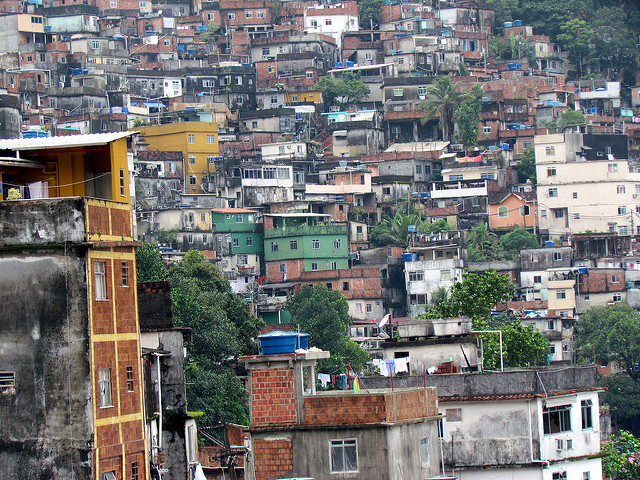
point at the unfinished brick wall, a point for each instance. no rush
(273, 458)
(272, 397)
(410, 405)
(345, 409)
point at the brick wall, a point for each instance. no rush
(294, 269)
(272, 397)
(273, 458)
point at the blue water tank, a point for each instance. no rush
(282, 343)
(517, 23)
(549, 243)
(508, 24)
(351, 64)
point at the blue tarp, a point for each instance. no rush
(154, 104)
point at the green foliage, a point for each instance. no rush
(169, 237)
(468, 116)
(622, 395)
(344, 92)
(360, 215)
(323, 313)
(223, 329)
(211, 35)
(619, 461)
(571, 117)
(149, 264)
(576, 37)
(527, 166)
(610, 333)
(370, 13)
(475, 296)
(14, 194)
(614, 34)
(274, 9)
(444, 99)
(394, 230)
(517, 239)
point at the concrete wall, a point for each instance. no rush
(45, 426)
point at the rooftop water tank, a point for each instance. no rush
(282, 343)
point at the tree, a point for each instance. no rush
(370, 13)
(323, 313)
(568, 118)
(527, 166)
(468, 116)
(622, 395)
(211, 35)
(620, 456)
(223, 329)
(610, 333)
(443, 102)
(345, 92)
(576, 37)
(149, 264)
(517, 239)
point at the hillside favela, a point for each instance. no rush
(320, 240)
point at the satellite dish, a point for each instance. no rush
(159, 12)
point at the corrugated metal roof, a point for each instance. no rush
(72, 141)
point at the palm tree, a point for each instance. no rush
(444, 101)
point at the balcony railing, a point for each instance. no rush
(306, 230)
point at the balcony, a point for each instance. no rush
(305, 230)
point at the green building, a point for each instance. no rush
(302, 242)
(238, 243)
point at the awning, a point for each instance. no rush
(154, 105)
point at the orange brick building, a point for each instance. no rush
(297, 431)
(72, 378)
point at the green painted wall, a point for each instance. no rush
(254, 247)
(228, 222)
(271, 318)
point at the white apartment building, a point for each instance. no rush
(585, 184)
(332, 20)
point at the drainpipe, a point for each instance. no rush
(157, 356)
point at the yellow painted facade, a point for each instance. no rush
(198, 141)
(304, 97)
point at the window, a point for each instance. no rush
(344, 456)
(558, 213)
(561, 294)
(553, 192)
(293, 245)
(424, 451)
(104, 385)
(445, 274)
(586, 475)
(249, 241)
(585, 410)
(345, 286)
(551, 325)
(620, 189)
(418, 170)
(129, 372)
(95, 44)
(7, 382)
(559, 476)
(211, 139)
(453, 414)
(190, 238)
(617, 297)
(612, 167)
(615, 278)
(543, 213)
(397, 92)
(236, 242)
(231, 16)
(503, 212)
(551, 172)
(192, 179)
(239, 218)
(125, 274)
(623, 230)
(327, 21)
(204, 239)
(556, 419)
(550, 151)
(274, 246)
(337, 243)
(134, 471)
(456, 177)
(260, 14)
(557, 256)
(100, 280)
(622, 210)
(122, 190)
(192, 159)
(248, 14)
(243, 260)
(314, 266)
(308, 74)
(283, 268)
(537, 279)
(525, 211)
(108, 476)
(315, 244)
(369, 307)
(191, 138)
(334, 265)
(486, 129)
(416, 276)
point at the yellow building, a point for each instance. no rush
(314, 96)
(198, 142)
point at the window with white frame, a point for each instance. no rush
(249, 242)
(314, 266)
(191, 138)
(397, 92)
(95, 44)
(344, 456)
(586, 411)
(100, 280)
(549, 151)
(243, 259)
(231, 16)
(192, 159)
(211, 139)
(274, 246)
(503, 212)
(236, 242)
(293, 245)
(556, 419)
(104, 387)
(337, 243)
(248, 14)
(416, 276)
(561, 294)
(617, 297)
(620, 189)
(315, 244)
(559, 476)
(557, 256)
